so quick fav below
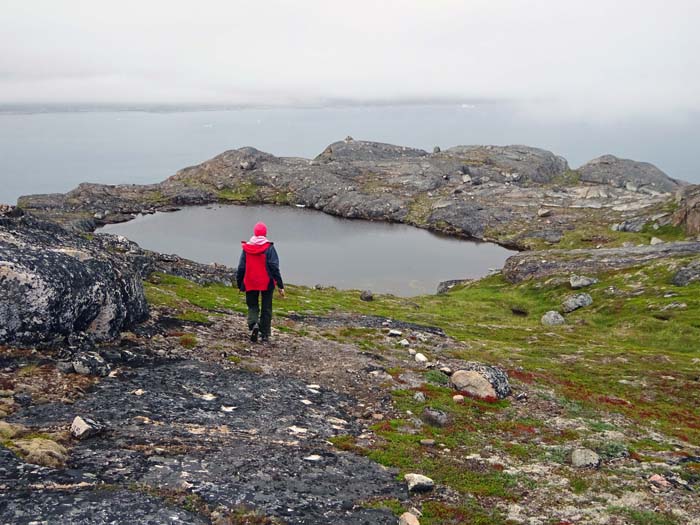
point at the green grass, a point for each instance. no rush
(194, 316)
(244, 192)
(624, 335)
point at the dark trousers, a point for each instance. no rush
(264, 318)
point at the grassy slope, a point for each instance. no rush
(624, 354)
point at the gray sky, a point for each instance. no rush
(612, 58)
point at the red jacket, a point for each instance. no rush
(258, 268)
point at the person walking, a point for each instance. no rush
(258, 274)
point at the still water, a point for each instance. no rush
(316, 248)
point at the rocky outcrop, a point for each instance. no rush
(631, 174)
(54, 284)
(538, 264)
(688, 213)
(483, 192)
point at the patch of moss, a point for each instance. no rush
(194, 317)
(244, 192)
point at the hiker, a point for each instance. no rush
(258, 274)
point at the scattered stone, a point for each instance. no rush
(436, 149)
(458, 398)
(367, 295)
(419, 397)
(660, 482)
(411, 351)
(435, 417)
(544, 212)
(584, 458)
(522, 396)
(247, 165)
(655, 240)
(674, 306)
(404, 343)
(91, 364)
(574, 302)
(427, 442)
(407, 518)
(419, 483)
(23, 399)
(481, 381)
(552, 318)
(420, 358)
(83, 428)
(446, 370)
(395, 333)
(138, 392)
(581, 281)
(314, 458)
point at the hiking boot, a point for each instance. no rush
(254, 333)
(265, 339)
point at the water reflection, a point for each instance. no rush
(315, 248)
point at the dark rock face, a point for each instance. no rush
(54, 284)
(640, 176)
(229, 437)
(538, 264)
(513, 163)
(482, 192)
(688, 214)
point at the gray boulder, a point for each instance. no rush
(687, 274)
(84, 427)
(574, 302)
(552, 318)
(55, 283)
(435, 417)
(418, 483)
(581, 281)
(625, 173)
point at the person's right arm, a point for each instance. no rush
(240, 272)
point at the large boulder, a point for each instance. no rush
(483, 381)
(625, 173)
(687, 274)
(55, 284)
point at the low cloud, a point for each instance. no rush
(596, 58)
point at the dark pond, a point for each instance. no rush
(316, 248)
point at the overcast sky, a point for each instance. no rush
(618, 57)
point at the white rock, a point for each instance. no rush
(314, 458)
(408, 519)
(83, 428)
(404, 342)
(411, 351)
(584, 457)
(458, 398)
(419, 483)
(473, 382)
(395, 333)
(420, 358)
(655, 240)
